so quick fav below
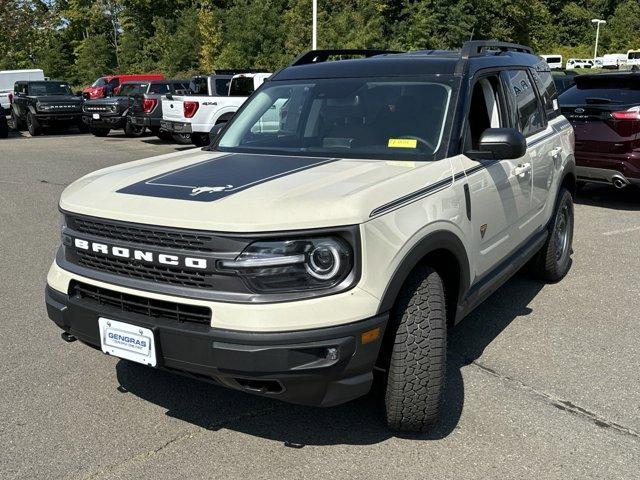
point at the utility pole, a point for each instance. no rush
(314, 28)
(598, 22)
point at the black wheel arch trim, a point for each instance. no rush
(439, 240)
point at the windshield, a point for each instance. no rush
(358, 118)
(129, 89)
(241, 87)
(101, 82)
(49, 88)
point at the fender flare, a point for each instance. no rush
(439, 240)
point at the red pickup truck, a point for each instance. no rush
(110, 84)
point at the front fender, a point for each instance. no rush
(438, 240)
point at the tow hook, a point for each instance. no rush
(67, 337)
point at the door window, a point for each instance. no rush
(527, 106)
(485, 110)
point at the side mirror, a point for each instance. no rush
(501, 144)
(214, 133)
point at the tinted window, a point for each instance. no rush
(241, 87)
(529, 115)
(547, 89)
(199, 86)
(114, 82)
(159, 88)
(49, 88)
(132, 89)
(359, 118)
(222, 86)
(584, 94)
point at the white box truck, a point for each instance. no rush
(9, 77)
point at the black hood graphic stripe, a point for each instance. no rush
(220, 177)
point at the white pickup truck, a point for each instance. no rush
(196, 115)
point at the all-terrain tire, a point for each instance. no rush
(553, 261)
(131, 130)
(200, 139)
(16, 123)
(33, 125)
(417, 364)
(100, 132)
(182, 138)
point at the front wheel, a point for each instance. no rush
(553, 260)
(131, 130)
(100, 132)
(417, 360)
(16, 123)
(182, 138)
(200, 139)
(33, 125)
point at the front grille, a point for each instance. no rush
(148, 236)
(99, 109)
(155, 273)
(140, 305)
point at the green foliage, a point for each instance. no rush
(79, 40)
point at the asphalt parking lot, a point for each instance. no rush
(543, 380)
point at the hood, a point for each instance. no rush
(247, 192)
(63, 99)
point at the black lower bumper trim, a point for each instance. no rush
(319, 367)
(175, 127)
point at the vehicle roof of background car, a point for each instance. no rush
(471, 58)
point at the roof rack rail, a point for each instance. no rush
(317, 56)
(476, 48)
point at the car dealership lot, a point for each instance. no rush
(543, 380)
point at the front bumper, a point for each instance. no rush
(111, 122)
(175, 127)
(291, 366)
(51, 118)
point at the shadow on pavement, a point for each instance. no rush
(606, 196)
(359, 422)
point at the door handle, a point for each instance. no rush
(522, 169)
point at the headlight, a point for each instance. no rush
(293, 265)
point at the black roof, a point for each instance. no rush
(473, 56)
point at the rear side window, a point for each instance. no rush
(547, 88)
(222, 86)
(198, 86)
(114, 82)
(602, 91)
(241, 87)
(159, 88)
(528, 111)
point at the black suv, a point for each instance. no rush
(42, 104)
(146, 107)
(112, 113)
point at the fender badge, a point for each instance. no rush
(483, 230)
(199, 190)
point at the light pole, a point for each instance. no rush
(597, 21)
(314, 28)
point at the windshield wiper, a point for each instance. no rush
(599, 100)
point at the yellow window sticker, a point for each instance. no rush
(402, 143)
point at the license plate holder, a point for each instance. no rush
(124, 340)
(96, 116)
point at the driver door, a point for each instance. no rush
(499, 190)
